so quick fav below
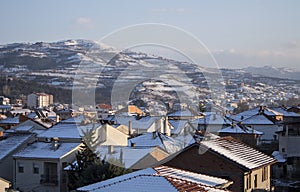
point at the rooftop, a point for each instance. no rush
(257, 120)
(236, 129)
(160, 178)
(10, 120)
(11, 141)
(238, 152)
(45, 150)
(128, 155)
(142, 123)
(153, 139)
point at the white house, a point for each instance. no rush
(39, 167)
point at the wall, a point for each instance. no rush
(28, 181)
(32, 100)
(266, 184)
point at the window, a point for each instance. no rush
(255, 181)
(20, 168)
(36, 169)
(283, 150)
(264, 174)
(248, 183)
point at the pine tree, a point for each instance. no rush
(91, 169)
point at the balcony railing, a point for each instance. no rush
(49, 179)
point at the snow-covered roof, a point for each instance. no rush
(142, 123)
(45, 150)
(257, 120)
(245, 114)
(238, 152)
(278, 157)
(25, 128)
(178, 125)
(143, 180)
(271, 112)
(157, 139)
(285, 113)
(213, 119)
(12, 141)
(130, 155)
(10, 120)
(73, 120)
(190, 176)
(61, 130)
(160, 178)
(20, 111)
(182, 113)
(236, 129)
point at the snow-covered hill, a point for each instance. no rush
(269, 71)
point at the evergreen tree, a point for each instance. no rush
(91, 169)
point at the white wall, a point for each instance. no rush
(3, 184)
(32, 100)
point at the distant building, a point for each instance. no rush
(38, 100)
(242, 133)
(4, 100)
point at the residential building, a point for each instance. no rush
(161, 178)
(43, 163)
(132, 157)
(39, 100)
(227, 158)
(10, 143)
(211, 122)
(4, 100)
(169, 144)
(143, 124)
(289, 150)
(242, 133)
(4, 184)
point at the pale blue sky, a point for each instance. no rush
(239, 33)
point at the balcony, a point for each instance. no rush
(49, 180)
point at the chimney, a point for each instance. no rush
(232, 125)
(55, 143)
(22, 118)
(154, 135)
(132, 144)
(110, 149)
(130, 128)
(158, 127)
(167, 130)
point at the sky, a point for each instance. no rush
(237, 33)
